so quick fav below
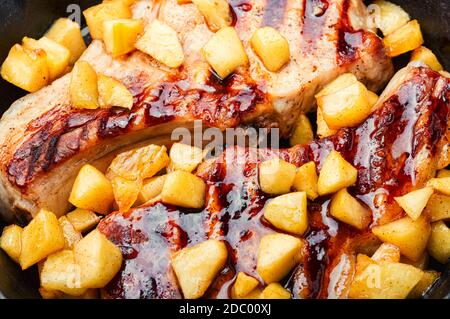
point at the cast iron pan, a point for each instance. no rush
(33, 17)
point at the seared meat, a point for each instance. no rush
(45, 140)
(395, 151)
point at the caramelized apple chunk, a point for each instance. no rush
(439, 243)
(306, 180)
(407, 38)
(11, 241)
(83, 220)
(303, 132)
(120, 35)
(427, 56)
(276, 176)
(389, 17)
(184, 157)
(414, 202)
(113, 93)
(243, 285)
(271, 47)
(217, 13)
(184, 189)
(97, 15)
(83, 87)
(349, 210)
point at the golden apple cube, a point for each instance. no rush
(217, 13)
(139, 163)
(42, 237)
(271, 47)
(97, 15)
(389, 17)
(427, 280)
(197, 266)
(120, 35)
(387, 253)
(362, 261)
(427, 56)
(26, 69)
(306, 180)
(438, 207)
(11, 241)
(411, 236)
(385, 281)
(113, 93)
(161, 42)
(275, 291)
(303, 132)
(184, 189)
(71, 235)
(92, 191)
(323, 130)
(443, 173)
(98, 258)
(278, 254)
(439, 243)
(407, 38)
(59, 272)
(225, 52)
(67, 33)
(288, 212)
(276, 176)
(83, 220)
(243, 285)
(83, 86)
(349, 210)
(151, 188)
(126, 192)
(441, 185)
(414, 202)
(57, 55)
(336, 174)
(184, 157)
(344, 102)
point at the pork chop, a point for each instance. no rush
(396, 150)
(45, 140)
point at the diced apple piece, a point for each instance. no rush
(197, 266)
(126, 192)
(443, 173)
(83, 220)
(113, 93)
(441, 185)
(414, 202)
(362, 261)
(288, 212)
(58, 56)
(427, 280)
(276, 176)
(184, 157)
(161, 42)
(11, 241)
(277, 256)
(151, 188)
(427, 56)
(42, 237)
(71, 235)
(68, 33)
(60, 272)
(385, 281)
(184, 189)
(344, 102)
(390, 17)
(438, 207)
(92, 191)
(225, 52)
(349, 210)
(323, 130)
(336, 174)
(303, 132)
(96, 15)
(407, 38)
(120, 35)
(271, 47)
(139, 163)
(387, 253)
(99, 260)
(275, 291)
(411, 236)
(26, 69)
(217, 13)
(306, 180)
(439, 243)
(83, 86)
(243, 285)
(373, 99)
